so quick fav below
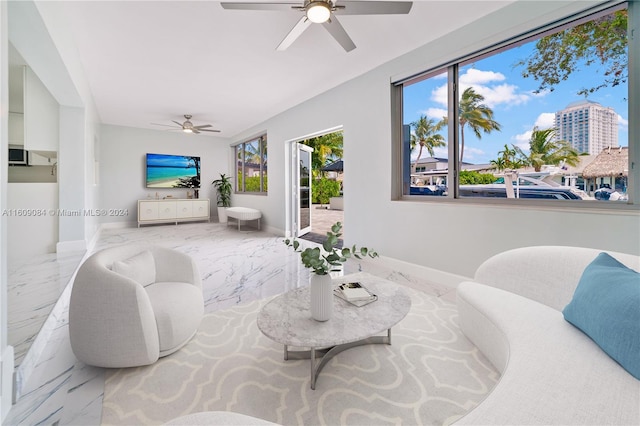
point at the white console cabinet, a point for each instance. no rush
(172, 210)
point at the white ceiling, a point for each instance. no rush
(153, 61)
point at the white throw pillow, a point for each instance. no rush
(140, 268)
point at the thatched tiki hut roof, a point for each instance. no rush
(610, 162)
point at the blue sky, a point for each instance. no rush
(516, 107)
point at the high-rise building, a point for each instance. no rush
(588, 126)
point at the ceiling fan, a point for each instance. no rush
(188, 126)
(323, 12)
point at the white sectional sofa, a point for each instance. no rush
(552, 373)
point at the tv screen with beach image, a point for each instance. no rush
(173, 171)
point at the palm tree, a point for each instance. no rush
(499, 164)
(544, 150)
(507, 159)
(475, 114)
(425, 135)
(326, 149)
(192, 181)
(251, 152)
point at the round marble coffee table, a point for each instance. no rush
(287, 320)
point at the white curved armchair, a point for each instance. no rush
(131, 305)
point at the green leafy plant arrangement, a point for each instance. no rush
(223, 186)
(323, 262)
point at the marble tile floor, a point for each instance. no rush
(34, 286)
(236, 267)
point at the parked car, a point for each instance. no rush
(608, 194)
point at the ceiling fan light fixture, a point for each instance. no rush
(318, 11)
(187, 126)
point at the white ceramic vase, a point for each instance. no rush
(222, 214)
(321, 294)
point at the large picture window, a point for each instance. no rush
(251, 163)
(545, 117)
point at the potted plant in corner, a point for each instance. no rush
(223, 187)
(322, 262)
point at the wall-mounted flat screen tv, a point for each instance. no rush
(173, 171)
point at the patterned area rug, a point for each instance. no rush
(430, 375)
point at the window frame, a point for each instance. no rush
(399, 192)
(240, 164)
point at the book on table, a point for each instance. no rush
(355, 293)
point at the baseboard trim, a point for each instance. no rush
(445, 278)
(117, 225)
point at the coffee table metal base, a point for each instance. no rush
(325, 354)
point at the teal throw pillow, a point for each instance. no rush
(606, 307)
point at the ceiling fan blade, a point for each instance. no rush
(338, 32)
(202, 126)
(373, 7)
(196, 131)
(174, 121)
(166, 125)
(259, 6)
(295, 32)
(209, 130)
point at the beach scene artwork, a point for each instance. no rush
(173, 171)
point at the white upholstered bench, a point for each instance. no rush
(243, 213)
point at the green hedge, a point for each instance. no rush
(253, 184)
(475, 178)
(323, 189)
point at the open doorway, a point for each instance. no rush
(317, 184)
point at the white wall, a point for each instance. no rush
(33, 234)
(122, 165)
(71, 174)
(464, 234)
(41, 115)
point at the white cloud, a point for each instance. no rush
(493, 95)
(436, 113)
(475, 76)
(502, 94)
(522, 140)
(490, 85)
(546, 120)
(470, 153)
(441, 151)
(622, 123)
(439, 95)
